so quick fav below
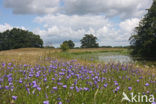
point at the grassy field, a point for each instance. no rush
(33, 55)
(49, 76)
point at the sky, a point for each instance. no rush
(111, 21)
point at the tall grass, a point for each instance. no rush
(40, 76)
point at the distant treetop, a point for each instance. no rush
(89, 41)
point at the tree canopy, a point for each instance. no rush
(89, 41)
(143, 41)
(18, 38)
(64, 46)
(70, 43)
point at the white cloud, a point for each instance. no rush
(58, 28)
(129, 24)
(74, 21)
(62, 27)
(122, 8)
(4, 27)
(32, 6)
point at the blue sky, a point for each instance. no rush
(111, 21)
(6, 16)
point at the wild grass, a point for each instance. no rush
(36, 76)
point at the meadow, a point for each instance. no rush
(49, 76)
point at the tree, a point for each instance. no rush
(18, 38)
(64, 46)
(89, 41)
(143, 41)
(70, 43)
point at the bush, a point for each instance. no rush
(70, 44)
(64, 46)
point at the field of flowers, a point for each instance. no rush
(71, 82)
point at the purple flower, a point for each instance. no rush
(64, 86)
(45, 79)
(53, 79)
(77, 89)
(54, 88)
(35, 85)
(12, 88)
(9, 79)
(117, 88)
(71, 88)
(147, 84)
(10, 84)
(68, 77)
(39, 88)
(63, 69)
(1, 79)
(9, 64)
(105, 85)
(9, 75)
(138, 80)
(46, 102)
(34, 82)
(46, 95)
(129, 88)
(14, 97)
(59, 79)
(24, 65)
(20, 81)
(37, 74)
(59, 83)
(28, 90)
(60, 102)
(86, 89)
(30, 75)
(7, 87)
(90, 72)
(61, 73)
(3, 64)
(96, 77)
(58, 98)
(0, 87)
(140, 77)
(116, 84)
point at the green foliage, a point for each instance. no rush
(106, 47)
(64, 46)
(70, 43)
(18, 38)
(143, 42)
(48, 46)
(89, 41)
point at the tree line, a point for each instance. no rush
(18, 38)
(88, 41)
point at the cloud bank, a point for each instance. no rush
(62, 27)
(71, 19)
